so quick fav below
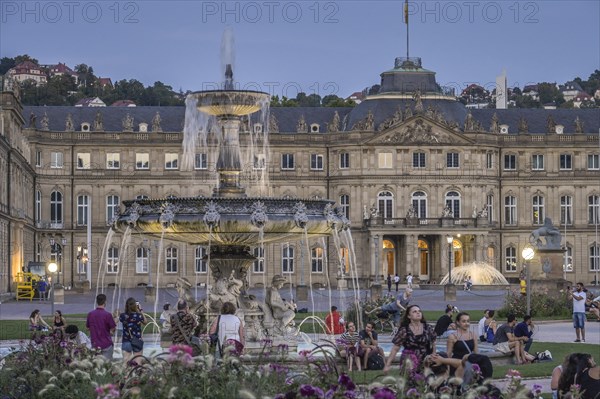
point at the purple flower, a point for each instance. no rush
(384, 393)
(412, 393)
(311, 391)
(347, 382)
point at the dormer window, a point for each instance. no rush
(315, 128)
(504, 129)
(560, 129)
(258, 128)
(143, 127)
(85, 127)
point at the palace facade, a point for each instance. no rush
(411, 167)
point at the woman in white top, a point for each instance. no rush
(231, 331)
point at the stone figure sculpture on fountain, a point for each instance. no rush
(282, 310)
(550, 233)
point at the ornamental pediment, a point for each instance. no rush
(419, 131)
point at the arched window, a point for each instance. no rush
(568, 267)
(141, 260)
(538, 209)
(316, 260)
(112, 260)
(385, 202)
(141, 197)
(56, 208)
(171, 260)
(345, 205)
(453, 201)
(419, 202)
(287, 259)
(199, 262)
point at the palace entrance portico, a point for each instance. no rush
(423, 250)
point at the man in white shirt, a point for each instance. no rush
(409, 280)
(578, 297)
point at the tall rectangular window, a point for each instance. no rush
(344, 160)
(537, 162)
(316, 162)
(142, 257)
(200, 263)
(38, 159)
(112, 260)
(259, 264)
(568, 267)
(489, 160)
(385, 160)
(510, 259)
(171, 161)
(171, 260)
(565, 162)
(56, 210)
(452, 160)
(287, 161)
(538, 209)
(201, 161)
(510, 210)
(593, 162)
(593, 209)
(287, 259)
(594, 258)
(112, 207)
(142, 161)
(510, 162)
(38, 206)
(418, 159)
(316, 260)
(113, 160)
(345, 205)
(82, 210)
(566, 209)
(56, 160)
(83, 160)
(490, 207)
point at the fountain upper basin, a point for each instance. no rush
(230, 102)
(230, 221)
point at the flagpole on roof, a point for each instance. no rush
(406, 22)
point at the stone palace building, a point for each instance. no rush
(413, 169)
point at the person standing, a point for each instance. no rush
(182, 324)
(334, 322)
(578, 297)
(414, 335)
(409, 280)
(132, 320)
(101, 325)
(396, 281)
(524, 331)
(523, 286)
(389, 283)
(231, 330)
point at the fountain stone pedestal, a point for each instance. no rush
(149, 294)
(302, 292)
(376, 291)
(449, 292)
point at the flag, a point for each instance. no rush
(406, 12)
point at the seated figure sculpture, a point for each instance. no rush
(283, 311)
(549, 232)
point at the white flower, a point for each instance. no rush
(245, 394)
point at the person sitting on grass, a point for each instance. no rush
(77, 337)
(348, 347)
(444, 325)
(36, 322)
(368, 345)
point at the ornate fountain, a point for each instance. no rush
(230, 222)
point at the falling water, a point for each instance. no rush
(107, 241)
(158, 256)
(196, 127)
(353, 275)
(125, 241)
(308, 267)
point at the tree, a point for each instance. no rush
(549, 93)
(6, 64)
(22, 58)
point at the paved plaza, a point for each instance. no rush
(319, 300)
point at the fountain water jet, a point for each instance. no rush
(481, 273)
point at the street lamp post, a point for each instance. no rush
(52, 268)
(528, 253)
(376, 242)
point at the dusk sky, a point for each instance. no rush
(327, 47)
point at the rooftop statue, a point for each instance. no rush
(45, 123)
(523, 126)
(156, 123)
(578, 125)
(69, 127)
(99, 122)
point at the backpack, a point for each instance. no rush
(489, 334)
(375, 362)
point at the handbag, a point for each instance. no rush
(214, 337)
(137, 344)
